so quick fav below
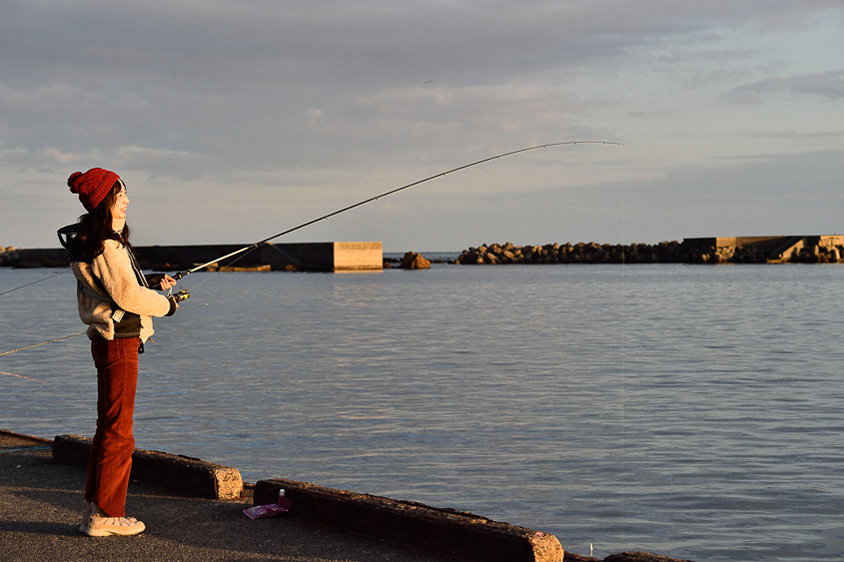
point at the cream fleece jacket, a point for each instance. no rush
(114, 270)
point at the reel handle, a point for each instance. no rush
(180, 296)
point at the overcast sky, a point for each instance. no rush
(232, 121)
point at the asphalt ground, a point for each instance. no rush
(41, 508)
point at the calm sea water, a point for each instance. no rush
(692, 411)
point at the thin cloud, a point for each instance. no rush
(829, 85)
(295, 105)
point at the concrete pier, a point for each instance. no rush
(41, 509)
(193, 510)
(305, 256)
(441, 532)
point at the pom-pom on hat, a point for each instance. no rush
(92, 186)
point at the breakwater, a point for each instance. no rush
(9, 256)
(337, 256)
(362, 526)
(715, 250)
(494, 254)
(309, 256)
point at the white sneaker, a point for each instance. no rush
(96, 524)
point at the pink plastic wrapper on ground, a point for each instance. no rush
(269, 510)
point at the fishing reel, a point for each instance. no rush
(180, 296)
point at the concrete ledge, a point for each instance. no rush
(12, 440)
(186, 475)
(460, 534)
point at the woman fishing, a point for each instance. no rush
(116, 302)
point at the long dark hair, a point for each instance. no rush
(95, 228)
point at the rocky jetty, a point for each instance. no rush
(591, 252)
(412, 260)
(9, 256)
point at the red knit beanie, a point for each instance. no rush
(92, 186)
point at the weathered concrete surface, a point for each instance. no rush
(185, 475)
(460, 534)
(41, 504)
(41, 507)
(358, 256)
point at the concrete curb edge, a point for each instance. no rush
(461, 534)
(187, 475)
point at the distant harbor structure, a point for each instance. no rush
(823, 248)
(306, 256)
(369, 256)
(712, 250)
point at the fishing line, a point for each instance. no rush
(623, 351)
(247, 249)
(244, 251)
(51, 385)
(23, 377)
(42, 343)
(183, 309)
(32, 283)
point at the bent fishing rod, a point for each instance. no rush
(246, 249)
(242, 252)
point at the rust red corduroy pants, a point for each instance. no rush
(110, 459)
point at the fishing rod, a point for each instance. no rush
(255, 245)
(242, 252)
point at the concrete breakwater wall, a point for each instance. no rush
(311, 256)
(345, 256)
(714, 250)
